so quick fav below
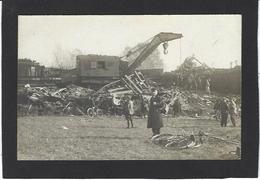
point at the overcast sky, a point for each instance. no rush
(213, 39)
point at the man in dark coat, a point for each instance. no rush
(217, 109)
(224, 112)
(154, 116)
(143, 108)
(176, 108)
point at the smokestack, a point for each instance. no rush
(235, 62)
(231, 63)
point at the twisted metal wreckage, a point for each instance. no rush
(131, 82)
(191, 140)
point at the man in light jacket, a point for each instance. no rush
(129, 118)
(232, 111)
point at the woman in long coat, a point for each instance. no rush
(154, 116)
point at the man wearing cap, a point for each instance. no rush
(232, 111)
(224, 112)
(154, 116)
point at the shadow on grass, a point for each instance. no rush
(86, 137)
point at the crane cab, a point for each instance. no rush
(96, 70)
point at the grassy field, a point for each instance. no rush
(106, 138)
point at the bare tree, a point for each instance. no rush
(73, 55)
(58, 56)
(65, 59)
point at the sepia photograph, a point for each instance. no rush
(129, 87)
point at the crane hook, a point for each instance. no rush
(165, 46)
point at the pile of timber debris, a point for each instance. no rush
(47, 99)
(73, 91)
(109, 97)
(81, 99)
(194, 104)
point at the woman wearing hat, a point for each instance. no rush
(154, 116)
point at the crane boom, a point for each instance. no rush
(155, 42)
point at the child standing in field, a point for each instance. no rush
(129, 111)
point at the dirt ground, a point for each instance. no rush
(107, 138)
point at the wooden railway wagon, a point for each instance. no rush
(31, 72)
(227, 80)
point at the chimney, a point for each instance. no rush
(235, 62)
(231, 63)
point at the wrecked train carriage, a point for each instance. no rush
(31, 72)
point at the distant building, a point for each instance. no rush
(54, 72)
(222, 80)
(227, 80)
(30, 68)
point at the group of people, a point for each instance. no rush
(192, 81)
(154, 114)
(224, 107)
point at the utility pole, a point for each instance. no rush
(236, 62)
(180, 53)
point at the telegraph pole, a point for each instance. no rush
(180, 52)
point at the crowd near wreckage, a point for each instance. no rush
(188, 95)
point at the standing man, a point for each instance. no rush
(217, 109)
(224, 112)
(208, 86)
(143, 107)
(176, 108)
(199, 82)
(154, 116)
(232, 111)
(130, 112)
